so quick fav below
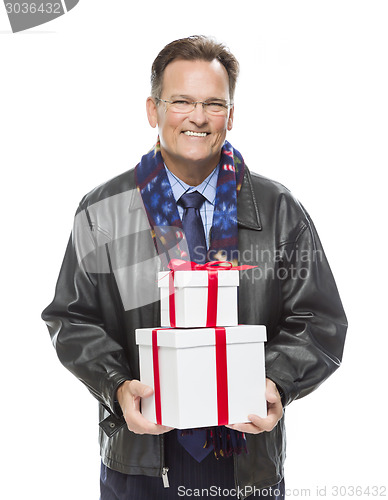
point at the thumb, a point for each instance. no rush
(141, 390)
(271, 393)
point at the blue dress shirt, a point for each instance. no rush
(207, 188)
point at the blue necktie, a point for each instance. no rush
(193, 227)
(196, 242)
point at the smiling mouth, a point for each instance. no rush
(195, 134)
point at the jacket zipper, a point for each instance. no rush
(166, 484)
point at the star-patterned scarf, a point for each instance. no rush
(162, 212)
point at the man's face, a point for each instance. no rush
(195, 81)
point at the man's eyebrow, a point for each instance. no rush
(182, 96)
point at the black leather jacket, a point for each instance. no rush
(107, 288)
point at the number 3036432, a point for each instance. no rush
(359, 491)
(33, 8)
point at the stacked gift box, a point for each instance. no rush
(204, 367)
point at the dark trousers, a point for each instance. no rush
(186, 477)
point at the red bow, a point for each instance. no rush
(212, 268)
(221, 265)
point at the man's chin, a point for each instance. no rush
(191, 158)
(203, 155)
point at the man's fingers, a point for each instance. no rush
(259, 424)
(248, 428)
(136, 422)
(274, 413)
(265, 424)
(140, 425)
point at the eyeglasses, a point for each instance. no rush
(184, 106)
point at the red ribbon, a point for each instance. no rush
(221, 375)
(155, 360)
(171, 298)
(212, 268)
(212, 298)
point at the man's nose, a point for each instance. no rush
(199, 115)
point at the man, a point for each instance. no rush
(129, 228)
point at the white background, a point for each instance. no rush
(311, 112)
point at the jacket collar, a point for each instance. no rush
(247, 210)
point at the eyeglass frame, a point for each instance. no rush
(227, 105)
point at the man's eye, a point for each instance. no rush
(215, 105)
(181, 103)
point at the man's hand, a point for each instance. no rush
(129, 394)
(274, 413)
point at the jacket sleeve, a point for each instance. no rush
(309, 339)
(82, 341)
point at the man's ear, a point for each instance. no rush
(152, 112)
(230, 119)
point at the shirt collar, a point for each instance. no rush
(207, 188)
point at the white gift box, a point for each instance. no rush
(193, 385)
(191, 295)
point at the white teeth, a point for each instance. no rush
(195, 134)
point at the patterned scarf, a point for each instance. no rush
(162, 211)
(169, 239)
